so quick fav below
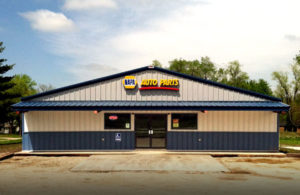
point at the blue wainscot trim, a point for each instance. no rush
(223, 141)
(51, 141)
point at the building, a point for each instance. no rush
(150, 107)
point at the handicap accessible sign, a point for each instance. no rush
(118, 137)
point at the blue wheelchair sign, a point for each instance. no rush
(118, 137)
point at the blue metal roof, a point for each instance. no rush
(153, 105)
(126, 73)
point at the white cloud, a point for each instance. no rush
(252, 32)
(48, 21)
(79, 5)
(292, 37)
(93, 70)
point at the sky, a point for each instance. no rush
(61, 42)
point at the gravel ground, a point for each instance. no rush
(10, 148)
(49, 175)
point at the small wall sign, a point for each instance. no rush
(118, 137)
(113, 117)
(175, 122)
(129, 82)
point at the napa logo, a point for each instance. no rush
(129, 82)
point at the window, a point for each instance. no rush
(116, 121)
(184, 121)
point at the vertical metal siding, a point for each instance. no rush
(223, 141)
(213, 121)
(237, 121)
(278, 127)
(77, 141)
(114, 90)
(63, 121)
(228, 130)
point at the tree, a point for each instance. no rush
(43, 88)
(236, 77)
(297, 58)
(221, 76)
(260, 86)
(283, 88)
(5, 85)
(231, 75)
(23, 86)
(156, 63)
(193, 68)
(288, 91)
(207, 69)
(179, 65)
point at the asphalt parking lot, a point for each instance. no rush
(150, 174)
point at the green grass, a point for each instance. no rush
(5, 142)
(289, 138)
(286, 150)
(10, 135)
(4, 139)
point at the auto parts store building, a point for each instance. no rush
(150, 107)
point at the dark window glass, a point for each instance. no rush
(184, 121)
(117, 121)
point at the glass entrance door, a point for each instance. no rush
(150, 130)
(142, 136)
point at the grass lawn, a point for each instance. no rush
(10, 139)
(10, 136)
(290, 138)
(286, 150)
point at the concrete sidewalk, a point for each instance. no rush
(150, 162)
(132, 152)
(292, 147)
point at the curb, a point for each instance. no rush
(50, 155)
(6, 156)
(213, 154)
(296, 155)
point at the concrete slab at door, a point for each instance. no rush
(150, 162)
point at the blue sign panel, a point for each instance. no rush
(118, 137)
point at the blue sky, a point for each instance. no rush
(67, 41)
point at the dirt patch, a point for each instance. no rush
(233, 178)
(265, 160)
(234, 171)
(272, 176)
(10, 148)
(243, 172)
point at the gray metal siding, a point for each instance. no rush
(223, 141)
(212, 121)
(113, 89)
(77, 141)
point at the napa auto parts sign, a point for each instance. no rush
(130, 82)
